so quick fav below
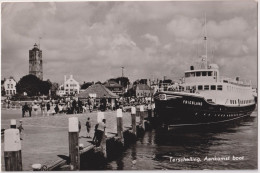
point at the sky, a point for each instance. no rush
(93, 40)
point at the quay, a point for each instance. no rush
(45, 138)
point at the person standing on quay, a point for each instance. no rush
(42, 107)
(20, 128)
(88, 126)
(48, 108)
(25, 108)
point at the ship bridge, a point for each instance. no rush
(201, 75)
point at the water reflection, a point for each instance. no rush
(154, 150)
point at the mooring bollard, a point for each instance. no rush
(133, 117)
(12, 150)
(74, 143)
(36, 167)
(13, 124)
(119, 123)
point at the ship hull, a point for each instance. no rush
(178, 109)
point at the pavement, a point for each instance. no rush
(45, 138)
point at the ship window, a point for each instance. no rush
(187, 74)
(210, 73)
(213, 87)
(197, 73)
(206, 87)
(200, 87)
(219, 87)
(204, 73)
(192, 74)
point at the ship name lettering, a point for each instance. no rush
(189, 102)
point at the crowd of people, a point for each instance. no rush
(77, 106)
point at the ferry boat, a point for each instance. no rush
(204, 97)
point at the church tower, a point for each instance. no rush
(35, 62)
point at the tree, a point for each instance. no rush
(33, 86)
(143, 81)
(54, 88)
(86, 85)
(124, 81)
(3, 91)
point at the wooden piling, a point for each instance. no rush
(12, 150)
(142, 116)
(103, 144)
(13, 124)
(133, 117)
(119, 123)
(100, 117)
(74, 143)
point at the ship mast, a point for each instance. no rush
(206, 44)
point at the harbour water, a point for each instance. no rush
(230, 147)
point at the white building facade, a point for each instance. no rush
(10, 86)
(70, 86)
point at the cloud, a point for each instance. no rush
(153, 38)
(92, 40)
(184, 27)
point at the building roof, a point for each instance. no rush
(143, 87)
(112, 84)
(99, 90)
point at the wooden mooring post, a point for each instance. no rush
(133, 117)
(13, 124)
(142, 116)
(74, 143)
(12, 150)
(100, 117)
(119, 118)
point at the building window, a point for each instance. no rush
(206, 87)
(14, 91)
(192, 74)
(11, 85)
(187, 74)
(8, 86)
(213, 87)
(204, 73)
(220, 87)
(210, 73)
(7, 92)
(187, 88)
(11, 92)
(200, 87)
(198, 74)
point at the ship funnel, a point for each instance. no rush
(191, 67)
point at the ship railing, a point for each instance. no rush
(234, 81)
